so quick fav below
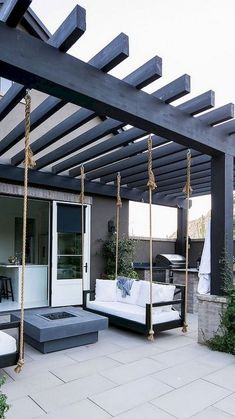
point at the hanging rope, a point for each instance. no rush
(188, 191)
(151, 185)
(82, 199)
(118, 205)
(28, 163)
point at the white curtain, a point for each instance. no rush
(204, 273)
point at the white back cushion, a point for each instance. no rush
(7, 344)
(161, 292)
(130, 299)
(105, 290)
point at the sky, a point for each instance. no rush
(192, 36)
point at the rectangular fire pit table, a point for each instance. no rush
(54, 329)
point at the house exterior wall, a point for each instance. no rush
(159, 246)
(103, 210)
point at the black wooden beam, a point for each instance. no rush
(228, 128)
(201, 174)
(176, 173)
(199, 104)
(22, 59)
(73, 27)
(167, 165)
(12, 11)
(221, 220)
(119, 154)
(167, 93)
(138, 78)
(111, 55)
(68, 33)
(65, 183)
(197, 191)
(190, 106)
(79, 142)
(195, 186)
(174, 90)
(136, 165)
(224, 113)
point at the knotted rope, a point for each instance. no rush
(82, 200)
(118, 205)
(151, 185)
(188, 191)
(28, 163)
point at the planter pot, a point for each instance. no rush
(210, 308)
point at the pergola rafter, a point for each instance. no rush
(115, 104)
(110, 56)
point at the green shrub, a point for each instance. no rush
(224, 339)
(126, 251)
(4, 406)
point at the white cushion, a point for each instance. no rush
(134, 293)
(7, 344)
(105, 290)
(161, 292)
(132, 312)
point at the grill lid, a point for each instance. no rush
(170, 261)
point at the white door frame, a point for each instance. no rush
(69, 291)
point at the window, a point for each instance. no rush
(164, 221)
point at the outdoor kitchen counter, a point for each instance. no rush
(36, 289)
(179, 278)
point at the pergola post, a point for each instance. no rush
(181, 231)
(221, 218)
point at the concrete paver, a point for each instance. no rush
(125, 376)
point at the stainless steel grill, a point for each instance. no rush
(170, 261)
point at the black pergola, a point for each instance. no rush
(40, 62)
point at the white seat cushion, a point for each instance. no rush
(161, 292)
(131, 312)
(134, 293)
(105, 290)
(7, 344)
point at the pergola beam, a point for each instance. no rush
(195, 186)
(172, 181)
(164, 155)
(78, 143)
(198, 102)
(224, 113)
(167, 165)
(111, 55)
(12, 11)
(49, 180)
(22, 59)
(171, 175)
(66, 35)
(228, 128)
(122, 153)
(139, 78)
(172, 91)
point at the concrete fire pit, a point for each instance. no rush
(54, 329)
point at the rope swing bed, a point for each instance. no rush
(149, 328)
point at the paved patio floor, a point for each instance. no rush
(126, 377)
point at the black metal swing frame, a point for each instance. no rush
(140, 327)
(10, 359)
